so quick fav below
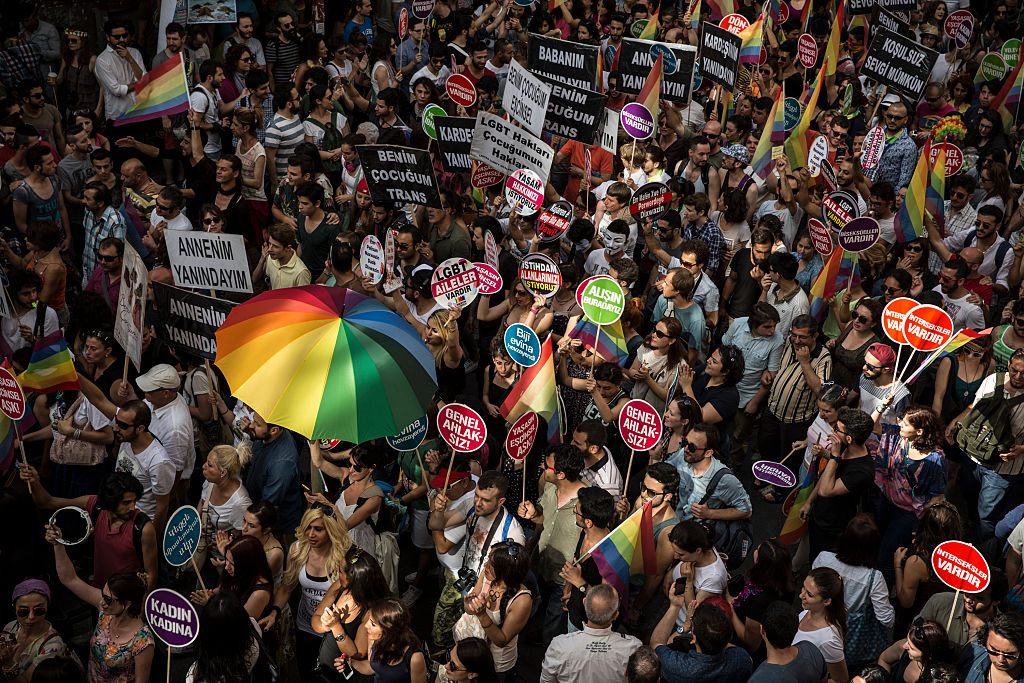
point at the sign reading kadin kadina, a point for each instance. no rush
(454, 283)
(172, 617)
(927, 327)
(521, 435)
(12, 398)
(640, 425)
(461, 90)
(893, 316)
(960, 566)
(461, 427)
(540, 275)
(820, 237)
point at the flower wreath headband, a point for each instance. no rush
(72, 33)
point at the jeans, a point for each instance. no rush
(555, 621)
(992, 490)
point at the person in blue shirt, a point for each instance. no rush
(710, 658)
(274, 473)
(361, 21)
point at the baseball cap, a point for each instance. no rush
(437, 481)
(161, 376)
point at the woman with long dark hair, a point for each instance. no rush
(849, 348)
(658, 363)
(395, 651)
(915, 582)
(228, 645)
(237, 62)
(714, 390)
(246, 574)
(360, 499)
(910, 660)
(680, 416)
(469, 660)
(823, 620)
(959, 376)
(77, 76)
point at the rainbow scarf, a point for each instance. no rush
(1007, 101)
(51, 367)
(909, 223)
(536, 390)
(161, 92)
(772, 136)
(607, 340)
(650, 94)
(753, 39)
(800, 138)
(841, 271)
(627, 550)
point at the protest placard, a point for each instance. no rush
(854, 7)
(189, 320)
(401, 175)
(208, 260)
(507, 148)
(609, 132)
(635, 63)
(895, 23)
(719, 55)
(898, 62)
(526, 98)
(572, 64)
(131, 304)
(454, 138)
(574, 113)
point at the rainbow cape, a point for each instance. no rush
(536, 390)
(1007, 101)
(935, 193)
(160, 92)
(51, 367)
(627, 550)
(840, 272)
(608, 340)
(909, 223)
(800, 138)
(753, 38)
(650, 31)
(772, 136)
(650, 94)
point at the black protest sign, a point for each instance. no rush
(454, 138)
(401, 175)
(572, 64)
(882, 17)
(189, 321)
(854, 7)
(719, 55)
(635, 64)
(899, 63)
(554, 221)
(649, 201)
(574, 113)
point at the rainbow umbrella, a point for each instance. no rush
(326, 362)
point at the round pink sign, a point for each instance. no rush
(461, 427)
(640, 425)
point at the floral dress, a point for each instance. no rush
(111, 661)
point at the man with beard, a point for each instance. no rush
(274, 474)
(976, 609)
(698, 170)
(956, 298)
(242, 35)
(102, 221)
(878, 390)
(283, 50)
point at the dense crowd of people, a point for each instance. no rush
(330, 561)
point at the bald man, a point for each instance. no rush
(140, 193)
(976, 283)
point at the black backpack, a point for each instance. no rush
(732, 538)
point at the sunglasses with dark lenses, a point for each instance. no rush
(37, 611)
(328, 510)
(513, 549)
(694, 448)
(1018, 322)
(106, 258)
(891, 290)
(121, 424)
(913, 247)
(650, 492)
(862, 319)
(661, 335)
(211, 221)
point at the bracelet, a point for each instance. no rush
(77, 435)
(276, 610)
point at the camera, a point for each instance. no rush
(467, 579)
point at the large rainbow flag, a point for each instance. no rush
(160, 92)
(834, 41)
(650, 93)
(793, 528)
(536, 390)
(1007, 101)
(720, 8)
(753, 39)
(627, 550)
(840, 272)
(935, 193)
(608, 340)
(909, 222)
(800, 138)
(50, 367)
(763, 163)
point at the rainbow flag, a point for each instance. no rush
(753, 38)
(772, 136)
(719, 8)
(793, 528)
(650, 94)
(160, 92)
(840, 272)
(834, 41)
(627, 550)
(935, 193)
(909, 223)
(650, 31)
(1007, 101)
(608, 340)
(51, 367)
(695, 13)
(536, 390)
(956, 342)
(800, 138)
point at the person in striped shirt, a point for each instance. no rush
(284, 133)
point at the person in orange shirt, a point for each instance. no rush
(600, 166)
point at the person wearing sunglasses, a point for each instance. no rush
(878, 391)
(959, 376)
(849, 348)
(997, 251)
(957, 300)
(469, 660)
(30, 638)
(896, 166)
(997, 650)
(974, 610)
(100, 221)
(361, 498)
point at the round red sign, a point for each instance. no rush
(893, 315)
(461, 427)
(521, 435)
(807, 51)
(461, 90)
(640, 425)
(961, 566)
(954, 157)
(485, 176)
(821, 238)
(734, 23)
(927, 327)
(12, 398)
(488, 279)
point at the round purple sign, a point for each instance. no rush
(637, 121)
(859, 234)
(773, 473)
(172, 617)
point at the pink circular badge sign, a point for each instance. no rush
(640, 425)
(461, 427)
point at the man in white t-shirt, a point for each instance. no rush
(956, 298)
(142, 456)
(590, 438)
(172, 421)
(447, 524)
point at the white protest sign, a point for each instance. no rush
(609, 132)
(508, 148)
(208, 260)
(131, 304)
(371, 258)
(526, 98)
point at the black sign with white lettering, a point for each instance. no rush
(573, 64)
(635, 63)
(866, 6)
(719, 55)
(574, 113)
(454, 138)
(189, 321)
(402, 175)
(901, 64)
(886, 19)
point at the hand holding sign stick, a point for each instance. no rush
(640, 427)
(462, 429)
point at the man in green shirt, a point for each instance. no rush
(447, 238)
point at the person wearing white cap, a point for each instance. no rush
(172, 422)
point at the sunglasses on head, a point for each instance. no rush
(511, 547)
(327, 510)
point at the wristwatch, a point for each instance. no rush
(583, 589)
(340, 637)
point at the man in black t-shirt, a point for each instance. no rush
(743, 284)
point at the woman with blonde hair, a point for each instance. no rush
(442, 339)
(315, 560)
(223, 500)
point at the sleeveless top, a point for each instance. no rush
(313, 590)
(363, 534)
(1001, 351)
(393, 673)
(506, 656)
(110, 660)
(56, 301)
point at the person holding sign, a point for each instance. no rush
(122, 644)
(519, 306)
(658, 363)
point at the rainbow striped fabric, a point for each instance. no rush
(51, 367)
(650, 31)
(800, 138)
(772, 136)
(962, 339)
(719, 8)
(695, 13)
(840, 271)
(1007, 101)
(650, 94)
(608, 340)
(753, 39)
(909, 222)
(627, 550)
(793, 528)
(834, 41)
(536, 390)
(160, 92)
(935, 193)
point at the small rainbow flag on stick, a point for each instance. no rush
(161, 92)
(955, 343)
(1007, 101)
(650, 31)
(608, 340)
(628, 549)
(772, 136)
(51, 367)
(650, 93)
(753, 39)
(536, 391)
(909, 222)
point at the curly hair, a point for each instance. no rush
(298, 554)
(932, 430)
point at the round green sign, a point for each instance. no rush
(638, 27)
(602, 300)
(1011, 52)
(993, 67)
(429, 112)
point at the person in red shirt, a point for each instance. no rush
(975, 282)
(600, 166)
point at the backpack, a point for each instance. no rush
(218, 130)
(140, 521)
(732, 538)
(1002, 250)
(986, 430)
